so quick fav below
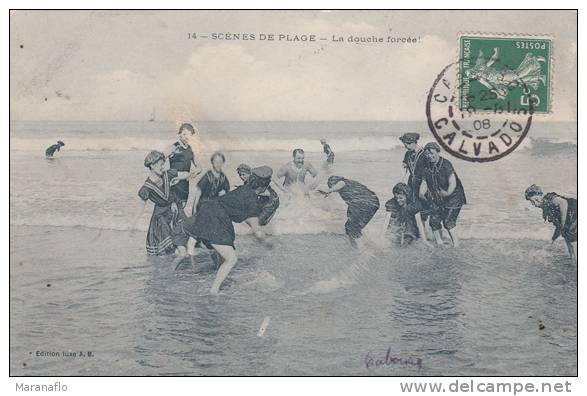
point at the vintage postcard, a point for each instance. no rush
(279, 193)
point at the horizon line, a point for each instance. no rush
(276, 120)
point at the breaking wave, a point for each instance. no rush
(257, 143)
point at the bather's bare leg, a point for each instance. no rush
(229, 255)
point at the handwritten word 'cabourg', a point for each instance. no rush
(373, 361)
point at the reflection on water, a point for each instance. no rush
(427, 308)
(472, 311)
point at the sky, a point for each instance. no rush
(121, 65)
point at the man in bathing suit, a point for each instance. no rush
(296, 170)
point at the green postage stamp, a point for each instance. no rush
(505, 74)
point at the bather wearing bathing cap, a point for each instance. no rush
(262, 172)
(332, 180)
(261, 176)
(243, 168)
(153, 157)
(410, 137)
(532, 191)
(268, 204)
(401, 188)
(432, 146)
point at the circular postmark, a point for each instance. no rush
(475, 133)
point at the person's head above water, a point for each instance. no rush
(260, 178)
(244, 172)
(298, 157)
(401, 188)
(332, 180)
(186, 127)
(185, 132)
(432, 152)
(155, 161)
(534, 195)
(410, 140)
(59, 142)
(401, 192)
(217, 159)
(323, 141)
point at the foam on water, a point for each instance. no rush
(259, 143)
(307, 221)
(344, 137)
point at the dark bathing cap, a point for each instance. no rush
(410, 137)
(243, 168)
(153, 157)
(260, 177)
(401, 188)
(332, 180)
(262, 172)
(188, 127)
(532, 191)
(432, 146)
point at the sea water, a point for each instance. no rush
(81, 282)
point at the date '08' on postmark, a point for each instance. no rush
(504, 74)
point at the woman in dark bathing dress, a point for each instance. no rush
(560, 211)
(181, 158)
(212, 224)
(213, 184)
(415, 164)
(163, 235)
(446, 194)
(328, 151)
(269, 200)
(362, 204)
(402, 217)
(51, 149)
